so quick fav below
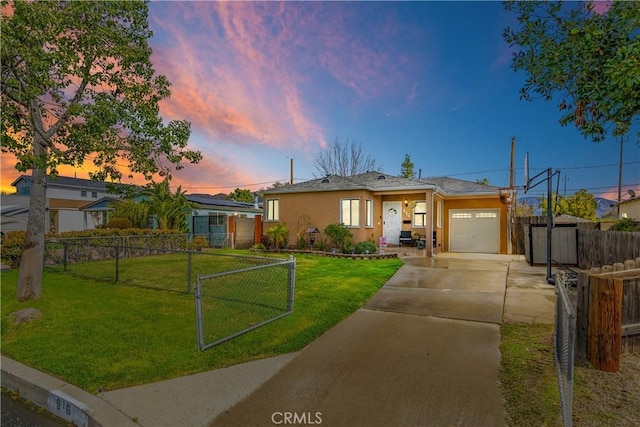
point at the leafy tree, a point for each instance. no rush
(77, 84)
(524, 209)
(589, 59)
(170, 209)
(483, 181)
(241, 195)
(581, 204)
(407, 168)
(134, 211)
(344, 159)
(275, 185)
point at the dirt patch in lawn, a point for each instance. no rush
(606, 398)
(529, 384)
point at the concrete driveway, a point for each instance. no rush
(424, 351)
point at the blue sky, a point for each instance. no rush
(266, 82)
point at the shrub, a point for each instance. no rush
(120, 223)
(258, 247)
(366, 247)
(11, 249)
(625, 224)
(339, 235)
(198, 243)
(278, 235)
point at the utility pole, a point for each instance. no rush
(291, 171)
(620, 175)
(512, 170)
(514, 199)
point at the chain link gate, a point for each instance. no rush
(232, 303)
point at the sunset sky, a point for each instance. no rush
(266, 82)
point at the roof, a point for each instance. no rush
(372, 181)
(631, 200)
(100, 204)
(68, 182)
(455, 186)
(569, 219)
(378, 181)
(205, 200)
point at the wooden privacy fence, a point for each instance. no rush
(608, 314)
(596, 248)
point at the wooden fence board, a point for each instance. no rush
(605, 323)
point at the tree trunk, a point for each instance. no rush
(32, 261)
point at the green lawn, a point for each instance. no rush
(101, 336)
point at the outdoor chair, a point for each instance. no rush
(405, 237)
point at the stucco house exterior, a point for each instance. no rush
(630, 208)
(448, 214)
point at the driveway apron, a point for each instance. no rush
(424, 351)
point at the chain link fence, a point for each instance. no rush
(564, 343)
(165, 262)
(231, 303)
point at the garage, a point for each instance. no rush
(474, 230)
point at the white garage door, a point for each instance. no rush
(474, 230)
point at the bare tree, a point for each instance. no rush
(344, 159)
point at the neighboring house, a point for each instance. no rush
(456, 215)
(630, 208)
(65, 198)
(224, 222)
(14, 210)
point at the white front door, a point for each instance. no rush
(392, 221)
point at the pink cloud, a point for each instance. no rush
(233, 80)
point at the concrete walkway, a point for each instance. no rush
(424, 351)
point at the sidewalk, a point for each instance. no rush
(423, 351)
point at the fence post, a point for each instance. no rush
(605, 323)
(117, 249)
(292, 282)
(64, 256)
(199, 321)
(189, 270)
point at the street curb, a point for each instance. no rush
(39, 388)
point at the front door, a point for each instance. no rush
(392, 221)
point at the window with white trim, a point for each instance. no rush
(420, 214)
(350, 212)
(368, 213)
(273, 209)
(439, 213)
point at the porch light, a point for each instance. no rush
(406, 203)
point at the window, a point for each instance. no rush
(217, 219)
(94, 194)
(350, 212)
(368, 214)
(439, 214)
(461, 215)
(486, 215)
(24, 191)
(420, 214)
(83, 193)
(273, 210)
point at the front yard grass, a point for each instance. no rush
(100, 336)
(528, 376)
